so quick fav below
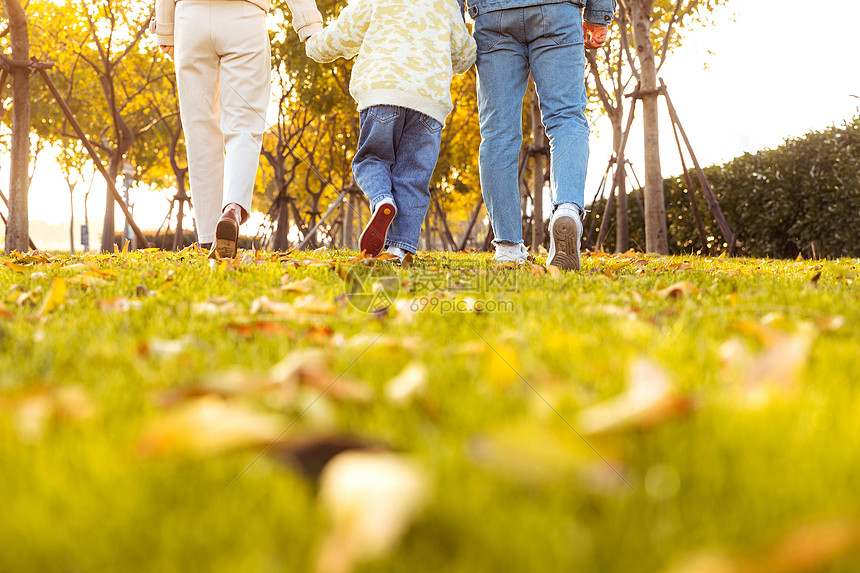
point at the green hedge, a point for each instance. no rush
(777, 201)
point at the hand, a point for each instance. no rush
(595, 34)
(168, 50)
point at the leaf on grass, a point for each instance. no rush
(773, 371)
(536, 270)
(55, 298)
(537, 453)
(410, 383)
(806, 549)
(163, 348)
(310, 368)
(387, 257)
(215, 305)
(210, 425)
(264, 305)
(408, 261)
(310, 304)
(5, 313)
(829, 323)
(18, 268)
(612, 310)
(310, 454)
(302, 287)
(650, 399)
(553, 271)
(34, 410)
(267, 327)
(677, 290)
(118, 304)
(371, 498)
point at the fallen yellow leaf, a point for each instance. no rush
(55, 297)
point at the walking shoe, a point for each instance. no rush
(372, 239)
(565, 233)
(227, 233)
(511, 253)
(397, 252)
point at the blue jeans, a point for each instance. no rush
(397, 153)
(548, 41)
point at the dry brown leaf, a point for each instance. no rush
(387, 257)
(268, 327)
(677, 290)
(650, 399)
(313, 305)
(311, 368)
(33, 410)
(5, 313)
(371, 499)
(215, 305)
(408, 261)
(118, 304)
(553, 271)
(264, 305)
(536, 270)
(805, 549)
(410, 383)
(302, 287)
(210, 425)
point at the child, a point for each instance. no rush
(223, 67)
(408, 51)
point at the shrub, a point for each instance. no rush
(777, 201)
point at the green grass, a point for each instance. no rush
(515, 487)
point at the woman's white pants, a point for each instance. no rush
(223, 69)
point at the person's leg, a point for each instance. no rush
(375, 156)
(242, 40)
(197, 82)
(502, 65)
(374, 159)
(557, 59)
(417, 154)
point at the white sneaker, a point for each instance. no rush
(565, 233)
(397, 252)
(511, 253)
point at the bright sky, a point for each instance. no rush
(769, 70)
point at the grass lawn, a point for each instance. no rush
(161, 413)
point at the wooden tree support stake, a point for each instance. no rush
(710, 196)
(328, 213)
(619, 173)
(142, 242)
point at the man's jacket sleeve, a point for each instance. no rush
(164, 17)
(599, 12)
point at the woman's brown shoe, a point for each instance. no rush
(227, 233)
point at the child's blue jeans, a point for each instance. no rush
(397, 153)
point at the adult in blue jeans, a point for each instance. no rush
(546, 38)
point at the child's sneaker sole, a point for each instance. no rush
(373, 237)
(566, 237)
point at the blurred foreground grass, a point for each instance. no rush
(162, 413)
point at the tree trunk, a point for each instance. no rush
(540, 148)
(72, 218)
(18, 226)
(109, 228)
(656, 234)
(622, 233)
(281, 238)
(179, 237)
